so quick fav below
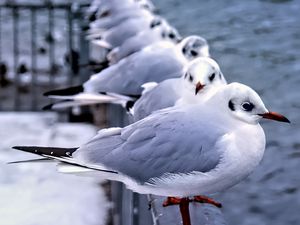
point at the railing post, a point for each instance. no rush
(51, 42)
(15, 14)
(70, 43)
(33, 60)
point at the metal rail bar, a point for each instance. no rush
(15, 14)
(51, 46)
(39, 6)
(70, 44)
(33, 59)
(0, 34)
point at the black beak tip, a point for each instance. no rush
(286, 120)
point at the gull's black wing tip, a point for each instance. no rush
(66, 91)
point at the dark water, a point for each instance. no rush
(256, 43)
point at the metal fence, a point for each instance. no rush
(39, 45)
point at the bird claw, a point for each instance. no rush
(204, 199)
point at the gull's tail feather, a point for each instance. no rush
(31, 161)
(63, 104)
(88, 99)
(65, 92)
(103, 44)
(47, 151)
(63, 155)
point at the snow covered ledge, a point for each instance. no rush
(35, 193)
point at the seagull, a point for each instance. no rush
(181, 151)
(108, 22)
(201, 79)
(103, 9)
(159, 30)
(119, 14)
(154, 63)
(117, 35)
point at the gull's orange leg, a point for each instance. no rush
(204, 199)
(183, 206)
(171, 201)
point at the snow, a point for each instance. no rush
(34, 193)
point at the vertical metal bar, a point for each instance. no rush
(135, 210)
(127, 207)
(84, 72)
(0, 34)
(1, 46)
(15, 14)
(33, 59)
(51, 45)
(70, 44)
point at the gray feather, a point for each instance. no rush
(152, 147)
(127, 76)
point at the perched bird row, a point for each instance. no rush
(193, 133)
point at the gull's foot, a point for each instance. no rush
(171, 201)
(204, 199)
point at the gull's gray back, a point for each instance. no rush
(136, 43)
(168, 141)
(164, 95)
(131, 27)
(127, 76)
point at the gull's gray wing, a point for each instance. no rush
(117, 35)
(127, 76)
(112, 21)
(168, 141)
(164, 95)
(135, 44)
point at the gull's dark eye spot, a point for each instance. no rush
(155, 23)
(247, 106)
(212, 77)
(171, 35)
(194, 53)
(185, 75)
(231, 105)
(191, 78)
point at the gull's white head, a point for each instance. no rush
(243, 103)
(202, 75)
(193, 46)
(146, 4)
(166, 31)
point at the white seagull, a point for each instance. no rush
(118, 16)
(154, 63)
(201, 79)
(117, 35)
(182, 151)
(159, 30)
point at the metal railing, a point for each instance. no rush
(29, 31)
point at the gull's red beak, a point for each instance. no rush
(199, 86)
(274, 116)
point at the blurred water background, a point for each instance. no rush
(256, 43)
